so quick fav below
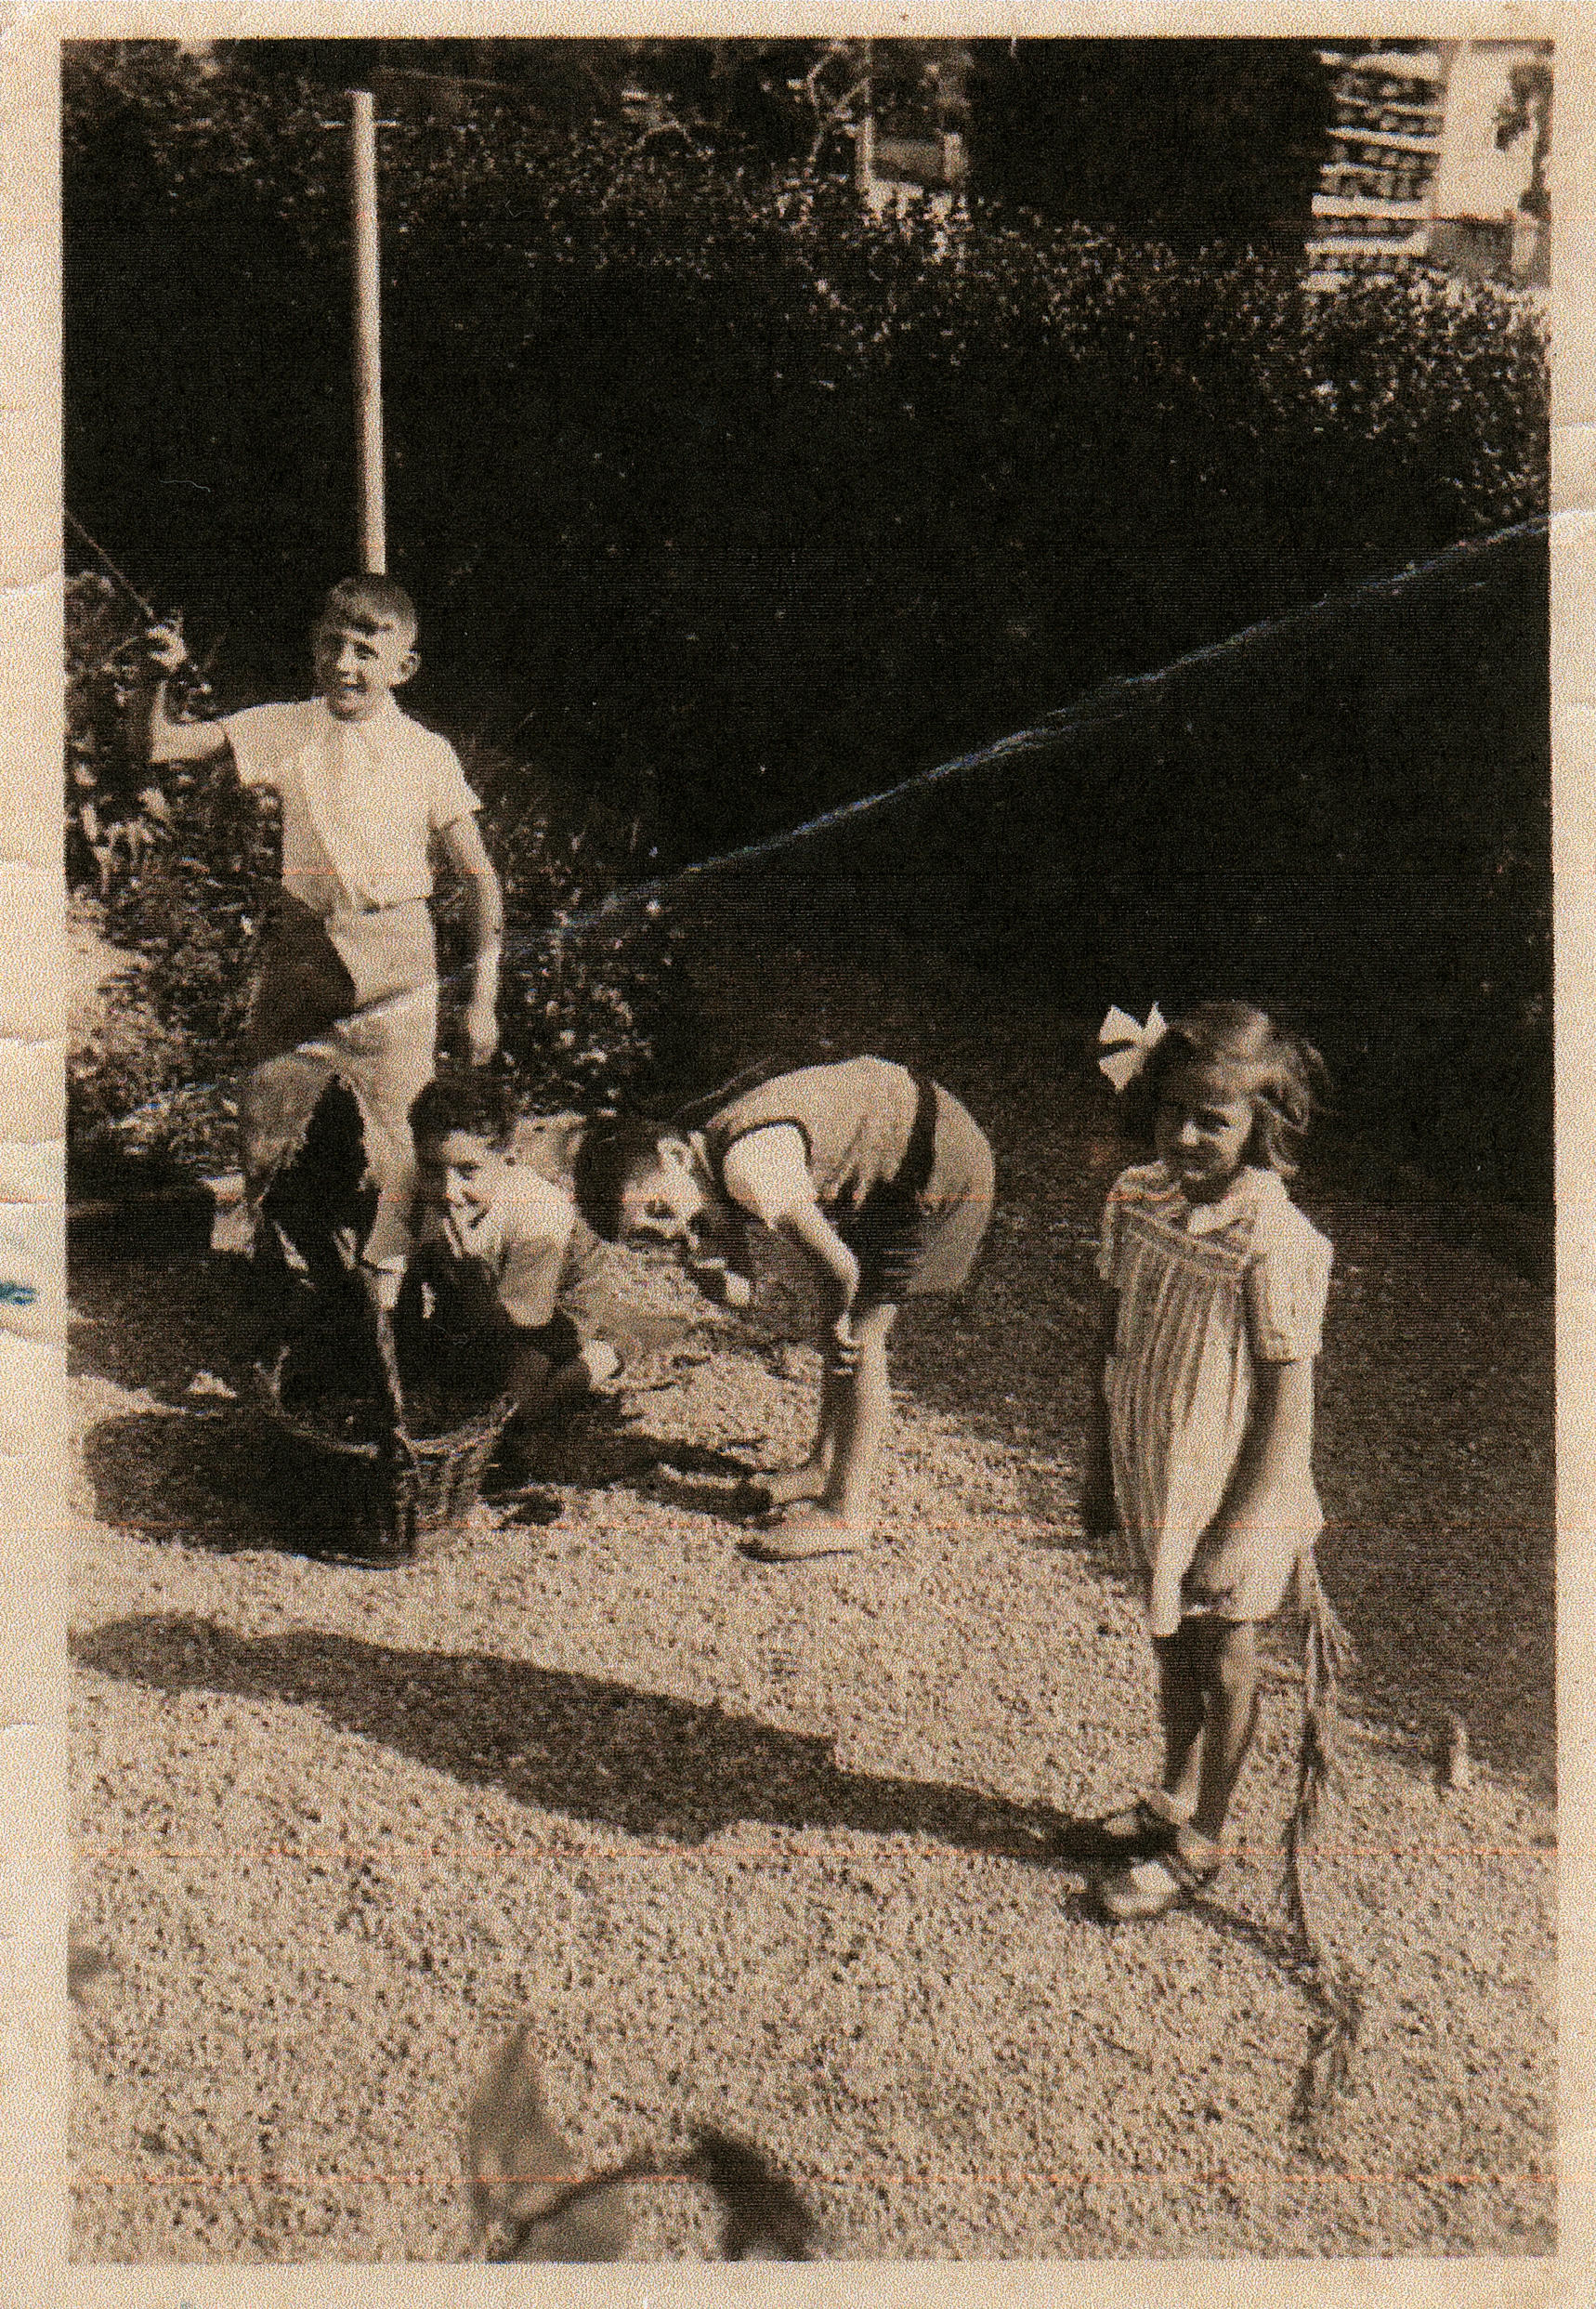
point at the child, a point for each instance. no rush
(1215, 1288)
(505, 1292)
(347, 972)
(882, 1180)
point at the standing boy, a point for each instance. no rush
(882, 1179)
(347, 970)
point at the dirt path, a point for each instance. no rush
(756, 1847)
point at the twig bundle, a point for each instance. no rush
(1327, 1655)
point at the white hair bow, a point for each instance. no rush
(1131, 1045)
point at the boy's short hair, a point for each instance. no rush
(478, 1099)
(612, 1157)
(374, 600)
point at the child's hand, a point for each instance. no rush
(599, 1360)
(843, 1348)
(721, 1284)
(1164, 1612)
(1231, 1552)
(166, 647)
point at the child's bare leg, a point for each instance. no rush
(843, 1514)
(1221, 1658)
(1183, 1703)
(528, 1380)
(1232, 1679)
(568, 1384)
(783, 1486)
(534, 1382)
(866, 1412)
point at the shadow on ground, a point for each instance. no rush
(638, 1762)
(229, 1480)
(202, 1477)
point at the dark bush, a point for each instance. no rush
(745, 506)
(757, 503)
(593, 1004)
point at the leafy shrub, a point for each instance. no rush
(593, 999)
(175, 867)
(761, 505)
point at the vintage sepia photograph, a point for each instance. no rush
(810, 1158)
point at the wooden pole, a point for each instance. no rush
(368, 328)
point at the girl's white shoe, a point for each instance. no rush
(1142, 1889)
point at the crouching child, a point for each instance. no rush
(882, 1179)
(505, 1292)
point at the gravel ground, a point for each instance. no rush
(766, 1847)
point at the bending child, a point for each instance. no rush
(347, 970)
(505, 1292)
(882, 1180)
(1214, 1295)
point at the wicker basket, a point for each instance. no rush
(384, 1498)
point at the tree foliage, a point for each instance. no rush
(741, 501)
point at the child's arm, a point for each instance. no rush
(171, 740)
(1097, 1505)
(806, 1224)
(586, 1297)
(463, 840)
(182, 742)
(1171, 1560)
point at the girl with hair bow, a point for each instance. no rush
(1215, 1288)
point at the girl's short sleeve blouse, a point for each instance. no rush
(1288, 1281)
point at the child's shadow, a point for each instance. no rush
(597, 1453)
(704, 1481)
(204, 1478)
(647, 1764)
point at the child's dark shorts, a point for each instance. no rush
(919, 1232)
(467, 1345)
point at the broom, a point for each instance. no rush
(1327, 1654)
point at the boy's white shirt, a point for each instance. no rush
(766, 1172)
(360, 800)
(534, 1210)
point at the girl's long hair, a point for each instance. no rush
(1288, 1081)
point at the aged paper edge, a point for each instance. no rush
(33, 1855)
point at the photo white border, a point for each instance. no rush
(33, 1855)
